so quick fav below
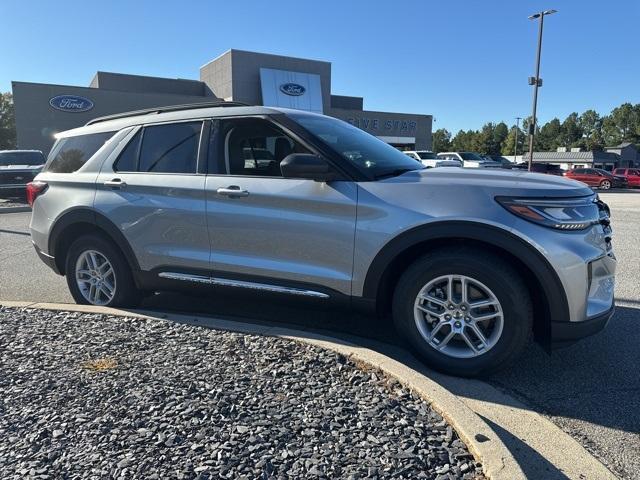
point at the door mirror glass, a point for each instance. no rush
(306, 165)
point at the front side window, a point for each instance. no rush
(369, 154)
(71, 153)
(427, 155)
(256, 147)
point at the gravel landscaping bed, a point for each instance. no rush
(97, 396)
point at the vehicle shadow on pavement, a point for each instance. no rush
(537, 466)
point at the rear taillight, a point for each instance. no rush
(35, 189)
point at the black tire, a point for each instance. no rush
(605, 185)
(488, 268)
(126, 293)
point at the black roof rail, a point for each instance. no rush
(168, 108)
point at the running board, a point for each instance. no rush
(226, 282)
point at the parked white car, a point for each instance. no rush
(430, 159)
(469, 159)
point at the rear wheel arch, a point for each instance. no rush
(81, 221)
(548, 297)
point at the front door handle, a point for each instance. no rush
(116, 183)
(232, 191)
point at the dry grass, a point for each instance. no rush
(101, 364)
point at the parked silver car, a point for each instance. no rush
(469, 263)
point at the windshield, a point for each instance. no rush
(363, 150)
(21, 158)
(427, 155)
(471, 156)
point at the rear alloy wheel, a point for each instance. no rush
(98, 274)
(605, 184)
(464, 311)
(95, 278)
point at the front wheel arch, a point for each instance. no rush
(549, 299)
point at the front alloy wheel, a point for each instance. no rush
(605, 185)
(458, 316)
(464, 310)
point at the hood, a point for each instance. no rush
(494, 182)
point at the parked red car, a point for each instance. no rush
(596, 177)
(631, 174)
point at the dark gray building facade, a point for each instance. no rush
(42, 110)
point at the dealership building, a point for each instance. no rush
(42, 110)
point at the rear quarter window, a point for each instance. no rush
(71, 153)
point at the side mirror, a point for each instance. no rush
(306, 165)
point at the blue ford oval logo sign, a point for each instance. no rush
(71, 103)
(292, 89)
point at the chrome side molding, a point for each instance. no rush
(226, 282)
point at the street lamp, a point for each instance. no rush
(536, 81)
(515, 147)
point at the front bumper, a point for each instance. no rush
(567, 333)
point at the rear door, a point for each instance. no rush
(151, 188)
(268, 230)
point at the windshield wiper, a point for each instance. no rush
(394, 173)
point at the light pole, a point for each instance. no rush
(536, 81)
(515, 147)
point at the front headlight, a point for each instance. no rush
(559, 213)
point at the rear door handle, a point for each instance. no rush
(115, 183)
(232, 191)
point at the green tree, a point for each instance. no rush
(500, 135)
(623, 125)
(591, 124)
(509, 143)
(550, 136)
(7, 122)
(441, 139)
(571, 131)
(465, 141)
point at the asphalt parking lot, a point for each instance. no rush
(591, 389)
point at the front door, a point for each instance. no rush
(266, 229)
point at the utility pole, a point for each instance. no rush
(536, 82)
(515, 147)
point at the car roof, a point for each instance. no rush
(121, 121)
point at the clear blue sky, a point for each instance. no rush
(464, 61)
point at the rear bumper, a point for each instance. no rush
(47, 259)
(566, 333)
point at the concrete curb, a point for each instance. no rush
(484, 418)
(14, 209)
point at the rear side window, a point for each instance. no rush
(71, 153)
(168, 148)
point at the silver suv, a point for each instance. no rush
(469, 263)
